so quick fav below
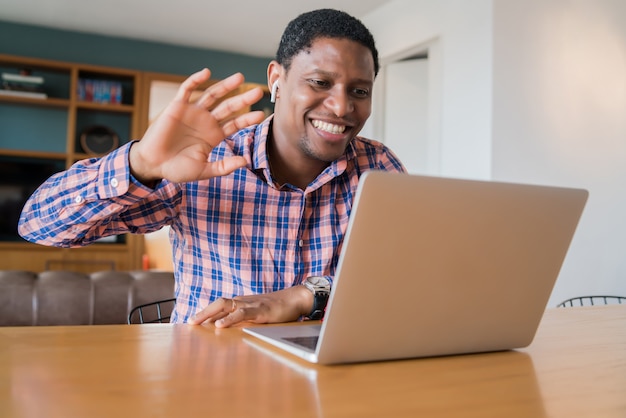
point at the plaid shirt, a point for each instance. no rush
(232, 235)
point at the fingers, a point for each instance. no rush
(225, 110)
(242, 311)
(191, 84)
(280, 306)
(227, 312)
(239, 315)
(234, 104)
(218, 90)
(214, 311)
(243, 121)
(213, 93)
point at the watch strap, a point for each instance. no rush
(320, 288)
(320, 300)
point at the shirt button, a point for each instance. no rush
(301, 243)
(78, 199)
(114, 182)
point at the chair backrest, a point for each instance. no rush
(152, 313)
(59, 297)
(591, 301)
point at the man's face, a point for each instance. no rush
(324, 99)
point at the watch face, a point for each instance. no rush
(319, 281)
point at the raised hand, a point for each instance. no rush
(177, 145)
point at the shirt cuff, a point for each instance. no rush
(115, 179)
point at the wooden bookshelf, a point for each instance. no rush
(49, 130)
(44, 130)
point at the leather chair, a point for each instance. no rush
(71, 298)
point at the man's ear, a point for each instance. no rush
(274, 71)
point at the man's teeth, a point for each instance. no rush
(329, 127)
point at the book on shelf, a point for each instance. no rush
(12, 85)
(13, 88)
(22, 78)
(100, 91)
(27, 94)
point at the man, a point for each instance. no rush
(256, 208)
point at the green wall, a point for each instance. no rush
(39, 42)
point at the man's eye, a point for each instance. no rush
(319, 83)
(361, 92)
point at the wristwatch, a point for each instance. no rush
(320, 287)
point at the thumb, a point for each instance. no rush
(223, 167)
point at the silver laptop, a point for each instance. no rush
(436, 266)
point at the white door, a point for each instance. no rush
(406, 113)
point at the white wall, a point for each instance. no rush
(461, 31)
(533, 91)
(560, 118)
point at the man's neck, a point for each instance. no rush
(297, 172)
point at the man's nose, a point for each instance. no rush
(340, 102)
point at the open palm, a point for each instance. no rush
(177, 145)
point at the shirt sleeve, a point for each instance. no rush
(94, 198)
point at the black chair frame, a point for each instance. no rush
(138, 311)
(592, 301)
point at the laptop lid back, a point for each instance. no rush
(433, 266)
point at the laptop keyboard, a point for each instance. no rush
(309, 342)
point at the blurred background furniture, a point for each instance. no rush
(592, 300)
(76, 265)
(72, 298)
(152, 313)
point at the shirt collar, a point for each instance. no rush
(259, 145)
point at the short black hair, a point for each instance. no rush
(323, 23)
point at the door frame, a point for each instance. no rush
(432, 49)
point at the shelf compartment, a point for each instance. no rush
(33, 128)
(56, 78)
(125, 82)
(120, 123)
(19, 178)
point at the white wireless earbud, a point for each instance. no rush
(273, 93)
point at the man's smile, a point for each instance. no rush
(328, 127)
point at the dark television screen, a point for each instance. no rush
(19, 178)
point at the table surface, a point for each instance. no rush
(575, 367)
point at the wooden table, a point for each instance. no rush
(576, 367)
